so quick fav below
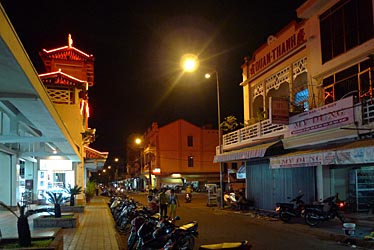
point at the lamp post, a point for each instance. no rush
(190, 63)
(139, 141)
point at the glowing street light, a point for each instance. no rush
(190, 63)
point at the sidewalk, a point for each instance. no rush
(96, 228)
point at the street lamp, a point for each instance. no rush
(139, 141)
(190, 63)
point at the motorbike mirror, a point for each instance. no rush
(177, 218)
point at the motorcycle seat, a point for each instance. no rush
(227, 246)
(188, 225)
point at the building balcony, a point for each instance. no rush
(251, 134)
(320, 125)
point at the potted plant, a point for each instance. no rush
(23, 228)
(56, 199)
(73, 191)
(90, 190)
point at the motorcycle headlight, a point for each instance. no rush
(277, 209)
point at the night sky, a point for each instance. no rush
(137, 47)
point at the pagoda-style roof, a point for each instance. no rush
(71, 60)
(67, 53)
(59, 78)
(94, 159)
(95, 154)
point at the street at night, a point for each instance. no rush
(263, 232)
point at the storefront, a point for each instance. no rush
(54, 176)
(347, 169)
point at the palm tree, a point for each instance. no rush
(23, 228)
(56, 199)
(73, 191)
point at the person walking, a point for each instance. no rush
(164, 199)
(173, 202)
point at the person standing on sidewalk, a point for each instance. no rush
(164, 199)
(173, 202)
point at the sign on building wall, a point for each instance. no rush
(329, 116)
(278, 112)
(332, 157)
(277, 48)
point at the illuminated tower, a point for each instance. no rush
(70, 72)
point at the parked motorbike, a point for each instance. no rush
(327, 210)
(288, 210)
(136, 223)
(151, 236)
(188, 197)
(183, 237)
(244, 245)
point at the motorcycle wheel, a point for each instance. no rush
(187, 243)
(284, 216)
(133, 238)
(312, 219)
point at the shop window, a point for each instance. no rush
(190, 141)
(354, 81)
(190, 161)
(22, 169)
(344, 26)
(301, 100)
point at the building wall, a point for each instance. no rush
(270, 72)
(174, 150)
(268, 186)
(73, 120)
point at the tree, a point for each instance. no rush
(23, 227)
(73, 191)
(56, 199)
(230, 124)
(90, 190)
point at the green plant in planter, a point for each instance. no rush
(56, 199)
(23, 228)
(90, 190)
(73, 191)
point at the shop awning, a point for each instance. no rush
(357, 152)
(169, 180)
(244, 154)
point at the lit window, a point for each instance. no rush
(190, 161)
(301, 99)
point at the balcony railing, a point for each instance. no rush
(252, 133)
(363, 117)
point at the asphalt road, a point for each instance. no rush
(264, 233)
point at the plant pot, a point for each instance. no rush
(72, 209)
(57, 242)
(66, 221)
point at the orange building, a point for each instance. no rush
(180, 153)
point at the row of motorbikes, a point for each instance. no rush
(313, 214)
(145, 229)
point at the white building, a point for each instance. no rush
(308, 100)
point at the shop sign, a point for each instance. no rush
(56, 165)
(278, 110)
(332, 157)
(304, 160)
(277, 49)
(329, 116)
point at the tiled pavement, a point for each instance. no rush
(96, 229)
